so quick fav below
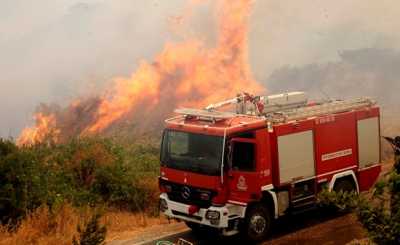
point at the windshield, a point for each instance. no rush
(192, 152)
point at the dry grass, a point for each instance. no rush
(365, 241)
(125, 225)
(45, 228)
(42, 227)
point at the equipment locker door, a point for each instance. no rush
(296, 156)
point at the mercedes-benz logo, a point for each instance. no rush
(185, 192)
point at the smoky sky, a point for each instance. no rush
(52, 51)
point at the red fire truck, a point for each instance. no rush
(239, 168)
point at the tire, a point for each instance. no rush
(257, 223)
(344, 185)
(197, 228)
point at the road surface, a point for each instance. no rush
(312, 227)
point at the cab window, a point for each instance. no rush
(243, 156)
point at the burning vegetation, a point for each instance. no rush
(183, 74)
(45, 128)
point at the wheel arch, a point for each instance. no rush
(269, 197)
(346, 174)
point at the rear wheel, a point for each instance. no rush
(345, 185)
(257, 223)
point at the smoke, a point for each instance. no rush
(186, 73)
(56, 51)
(296, 33)
(364, 72)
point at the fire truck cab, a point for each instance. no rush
(237, 171)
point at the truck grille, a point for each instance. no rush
(189, 195)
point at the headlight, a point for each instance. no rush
(212, 215)
(163, 205)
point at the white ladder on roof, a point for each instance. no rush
(280, 115)
(321, 109)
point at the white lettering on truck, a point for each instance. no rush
(337, 154)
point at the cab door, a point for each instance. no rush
(243, 177)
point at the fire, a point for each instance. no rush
(45, 129)
(183, 74)
(143, 85)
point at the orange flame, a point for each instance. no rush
(188, 72)
(45, 129)
(183, 74)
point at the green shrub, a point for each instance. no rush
(89, 171)
(379, 213)
(341, 201)
(23, 183)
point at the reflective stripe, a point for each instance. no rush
(238, 203)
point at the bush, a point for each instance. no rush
(90, 171)
(379, 213)
(23, 183)
(338, 201)
(92, 233)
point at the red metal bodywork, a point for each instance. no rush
(332, 133)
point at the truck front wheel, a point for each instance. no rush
(257, 223)
(196, 228)
(200, 229)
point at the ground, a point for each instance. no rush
(312, 227)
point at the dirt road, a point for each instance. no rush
(309, 228)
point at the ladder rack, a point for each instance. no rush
(319, 110)
(205, 114)
(278, 108)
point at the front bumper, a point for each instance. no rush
(227, 213)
